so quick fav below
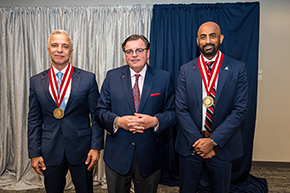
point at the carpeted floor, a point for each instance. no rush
(278, 182)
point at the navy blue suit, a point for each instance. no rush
(71, 137)
(229, 111)
(116, 99)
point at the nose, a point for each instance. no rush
(134, 53)
(208, 39)
(59, 48)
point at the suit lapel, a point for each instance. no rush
(148, 83)
(196, 80)
(75, 82)
(223, 74)
(127, 86)
(45, 86)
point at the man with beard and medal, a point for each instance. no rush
(62, 135)
(211, 104)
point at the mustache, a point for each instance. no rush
(208, 44)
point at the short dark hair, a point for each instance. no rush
(136, 37)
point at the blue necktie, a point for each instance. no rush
(59, 75)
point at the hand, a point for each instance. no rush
(146, 121)
(203, 146)
(210, 155)
(130, 123)
(92, 159)
(38, 164)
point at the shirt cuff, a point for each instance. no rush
(115, 126)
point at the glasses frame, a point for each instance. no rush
(137, 51)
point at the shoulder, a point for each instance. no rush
(158, 72)
(189, 64)
(228, 59)
(117, 71)
(83, 72)
(39, 75)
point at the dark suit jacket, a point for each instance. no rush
(72, 136)
(116, 99)
(229, 112)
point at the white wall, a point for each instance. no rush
(272, 136)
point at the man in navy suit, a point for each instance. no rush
(136, 105)
(211, 104)
(61, 134)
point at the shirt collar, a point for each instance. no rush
(142, 73)
(56, 70)
(206, 60)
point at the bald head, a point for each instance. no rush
(209, 38)
(209, 26)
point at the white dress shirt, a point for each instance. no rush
(66, 96)
(204, 93)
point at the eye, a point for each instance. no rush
(139, 50)
(54, 45)
(129, 51)
(66, 46)
(203, 37)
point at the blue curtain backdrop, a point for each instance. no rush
(173, 37)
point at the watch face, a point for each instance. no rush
(214, 143)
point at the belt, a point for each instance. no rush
(207, 134)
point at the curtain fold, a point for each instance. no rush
(173, 37)
(97, 33)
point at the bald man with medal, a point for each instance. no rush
(211, 104)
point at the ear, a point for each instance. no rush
(71, 52)
(221, 38)
(148, 53)
(197, 41)
(47, 49)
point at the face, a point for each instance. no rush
(136, 61)
(59, 49)
(209, 38)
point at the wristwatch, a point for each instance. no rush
(115, 123)
(214, 143)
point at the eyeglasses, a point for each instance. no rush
(137, 51)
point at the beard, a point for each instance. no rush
(210, 53)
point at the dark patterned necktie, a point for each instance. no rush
(136, 93)
(209, 110)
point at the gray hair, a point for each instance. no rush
(60, 31)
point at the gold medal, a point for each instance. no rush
(58, 113)
(207, 101)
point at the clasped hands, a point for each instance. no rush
(204, 148)
(137, 123)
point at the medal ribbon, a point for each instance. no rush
(210, 82)
(66, 79)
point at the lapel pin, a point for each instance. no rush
(226, 68)
(193, 67)
(123, 77)
(42, 78)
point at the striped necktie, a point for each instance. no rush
(209, 110)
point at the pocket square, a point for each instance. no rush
(155, 94)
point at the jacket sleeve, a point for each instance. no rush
(35, 122)
(97, 131)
